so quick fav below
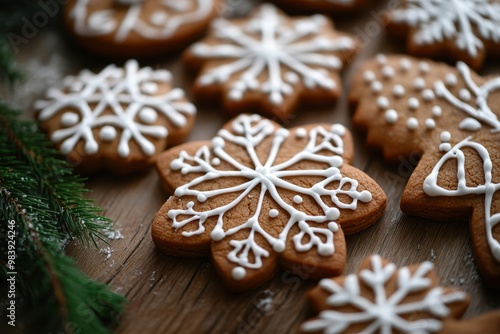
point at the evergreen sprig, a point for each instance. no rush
(39, 192)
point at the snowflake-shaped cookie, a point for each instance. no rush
(132, 28)
(269, 62)
(451, 115)
(381, 298)
(258, 193)
(120, 115)
(458, 29)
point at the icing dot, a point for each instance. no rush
(464, 94)
(413, 103)
(158, 18)
(381, 59)
(387, 72)
(445, 136)
(437, 111)
(279, 246)
(300, 133)
(69, 119)
(382, 102)
(430, 123)
(108, 133)
(450, 79)
(391, 116)
(297, 199)
(365, 196)
(218, 142)
(148, 115)
(292, 77)
(239, 273)
(398, 91)
(470, 124)
(332, 213)
(376, 87)
(444, 147)
(405, 65)
(368, 76)
(332, 226)
(424, 67)
(176, 164)
(428, 95)
(201, 198)
(336, 161)
(273, 213)
(149, 88)
(412, 123)
(236, 94)
(419, 83)
(217, 234)
(338, 129)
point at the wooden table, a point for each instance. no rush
(169, 294)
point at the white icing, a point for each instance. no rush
(383, 102)
(445, 136)
(424, 67)
(405, 65)
(108, 133)
(469, 124)
(376, 87)
(413, 103)
(437, 111)
(248, 132)
(387, 72)
(419, 83)
(383, 311)
(391, 116)
(381, 58)
(488, 189)
(115, 90)
(479, 109)
(412, 123)
(430, 124)
(167, 19)
(264, 45)
(369, 76)
(297, 199)
(398, 91)
(450, 79)
(239, 273)
(69, 119)
(465, 22)
(273, 213)
(428, 95)
(300, 133)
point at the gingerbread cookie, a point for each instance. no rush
(322, 6)
(381, 298)
(466, 30)
(450, 115)
(119, 119)
(259, 195)
(136, 28)
(270, 62)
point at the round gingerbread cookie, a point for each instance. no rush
(137, 28)
(323, 6)
(269, 62)
(259, 196)
(466, 30)
(119, 119)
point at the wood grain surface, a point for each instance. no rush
(177, 295)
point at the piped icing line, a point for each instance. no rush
(160, 25)
(488, 189)
(248, 132)
(129, 93)
(466, 23)
(386, 313)
(266, 44)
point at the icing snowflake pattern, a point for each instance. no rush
(488, 189)
(249, 132)
(385, 313)
(161, 24)
(277, 46)
(130, 94)
(467, 22)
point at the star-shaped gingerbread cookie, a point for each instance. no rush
(269, 62)
(449, 115)
(259, 196)
(466, 30)
(381, 298)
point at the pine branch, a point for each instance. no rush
(53, 292)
